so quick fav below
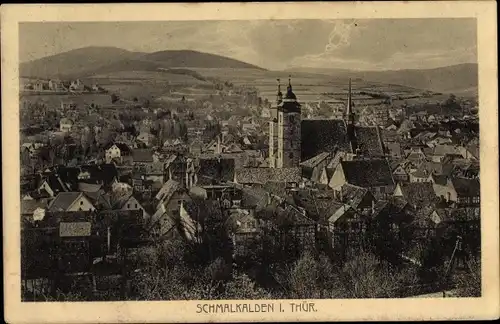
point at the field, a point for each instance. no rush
(198, 83)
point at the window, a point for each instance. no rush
(476, 200)
(135, 205)
(81, 202)
(128, 206)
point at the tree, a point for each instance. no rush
(365, 277)
(114, 98)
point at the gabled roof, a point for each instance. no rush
(466, 187)
(124, 148)
(353, 195)
(263, 175)
(315, 160)
(445, 149)
(88, 187)
(367, 173)
(64, 200)
(167, 190)
(56, 184)
(254, 198)
(341, 211)
(418, 193)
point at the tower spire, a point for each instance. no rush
(279, 95)
(350, 114)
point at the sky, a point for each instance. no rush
(361, 44)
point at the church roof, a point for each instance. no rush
(323, 135)
(369, 140)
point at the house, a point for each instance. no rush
(400, 174)
(146, 139)
(346, 228)
(373, 174)
(417, 194)
(76, 86)
(361, 199)
(244, 228)
(169, 201)
(421, 174)
(416, 156)
(65, 125)
(468, 191)
(314, 169)
(215, 170)
(116, 151)
(71, 202)
(129, 202)
(53, 185)
(196, 147)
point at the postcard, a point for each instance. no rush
(250, 162)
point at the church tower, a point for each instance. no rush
(350, 119)
(289, 141)
(273, 129)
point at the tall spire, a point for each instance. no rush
(279, 95)
(350, 113)
(289, 82)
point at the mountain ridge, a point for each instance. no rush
(453, 78)
(84, 62)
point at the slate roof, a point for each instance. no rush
(105, 173)
(314, 161)
(367, 173)
(466, 187)
(339, 212)
(418, 193)
(254, 198)
(369, 140)
(276, 188)
(353, 195)
(89, 187)
(124, 148)
(99, 199)
(263, 175)
(56, 184)
(167, 190)
(142, 155)
(394, 148)
(444, 149)
(317, 207)
(64, 200)
(215, 170)
(323, 135)
(440, 179)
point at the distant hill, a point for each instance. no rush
(461, 78)
(85, 62)
(75, 62)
